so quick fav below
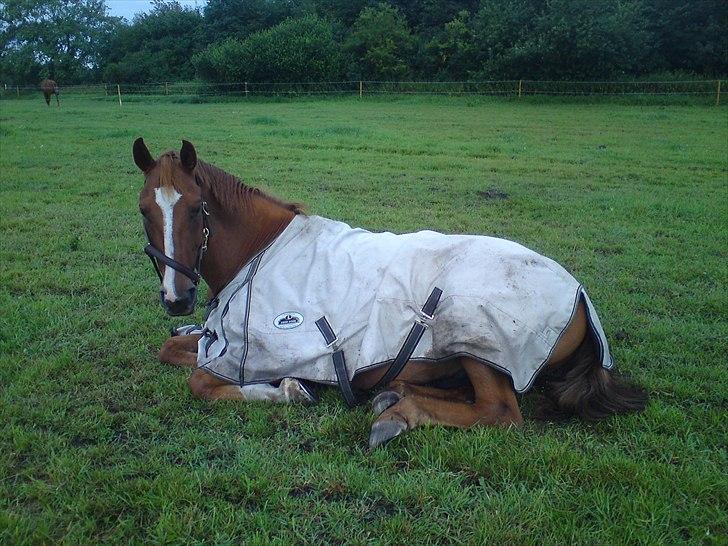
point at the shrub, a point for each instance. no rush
(561, 39)
(381, 43)
(302, 49)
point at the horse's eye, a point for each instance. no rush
(196, 210)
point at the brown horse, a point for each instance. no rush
(49, 87)
(210, 225)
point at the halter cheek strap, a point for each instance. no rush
(156, 255)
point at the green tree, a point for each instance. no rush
(157, 46)
(689, 36)
(297, 50)
(561, 39)
(62, 39)
(427, 17)
(343, 11)
(380, 44)
(241, 18)
(452, 52)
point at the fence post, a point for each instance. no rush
(166, 90)
(118, 91)
(520, 88)
(246, 90)
(106, 90)
(361, 88)
(17, 91)
(717, 95)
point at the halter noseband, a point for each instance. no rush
(156, 255)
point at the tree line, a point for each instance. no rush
(76, 41)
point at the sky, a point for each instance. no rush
(129, 8)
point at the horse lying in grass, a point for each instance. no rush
(299, 299)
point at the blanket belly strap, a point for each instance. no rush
(411, 341)
(342, 376)
(405, 352)
(413, 338)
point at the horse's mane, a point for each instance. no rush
(227, 189)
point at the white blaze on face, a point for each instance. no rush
(166, 198)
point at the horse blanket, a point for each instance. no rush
(501, 303)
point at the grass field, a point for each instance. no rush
(101, 443)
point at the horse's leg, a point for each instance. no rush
(208, 387)
(495, 404)
(180, 350)
(399, 389)
(58, 102)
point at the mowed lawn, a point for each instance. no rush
(101, 443)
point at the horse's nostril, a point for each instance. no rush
(180, 306)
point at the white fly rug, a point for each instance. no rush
(501, 304)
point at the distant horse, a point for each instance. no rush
(298, 299)
(49, 87)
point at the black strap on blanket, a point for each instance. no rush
(411, 341)
(342, 376)
(353, 398)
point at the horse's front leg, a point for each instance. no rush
(208, 387)
(180, 350)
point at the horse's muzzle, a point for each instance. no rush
(181, 306)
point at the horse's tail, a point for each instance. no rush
(582, 387)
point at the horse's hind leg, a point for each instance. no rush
(400, 389)
(180, 350)
(495, 404)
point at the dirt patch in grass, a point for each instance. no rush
(492, 194)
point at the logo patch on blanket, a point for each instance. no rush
(286, 321)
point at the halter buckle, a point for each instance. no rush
(206, 235)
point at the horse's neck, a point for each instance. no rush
(235, 237)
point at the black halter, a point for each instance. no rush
(156, 255)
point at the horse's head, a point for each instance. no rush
(175, 220)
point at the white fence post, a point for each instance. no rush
(717, 95)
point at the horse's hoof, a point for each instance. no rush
(385, 400)
(295, 391)
(309, 392)
(383, 431)
(186, 330)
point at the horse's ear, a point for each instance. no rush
(188, 156)
(142, 157)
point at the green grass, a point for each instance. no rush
(100, 443)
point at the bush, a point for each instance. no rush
(304, 49)
(561, 39)
(156, 47)
(381, 43)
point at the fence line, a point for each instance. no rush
(360, 88)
